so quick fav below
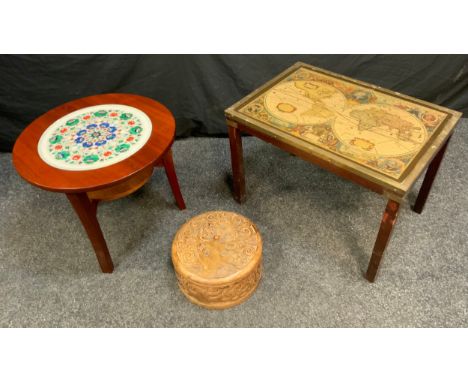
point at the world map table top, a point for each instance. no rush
(375, 128)
(94, 137)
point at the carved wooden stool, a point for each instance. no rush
(217, 257)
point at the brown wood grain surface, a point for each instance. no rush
(217, 257)
(383, 237)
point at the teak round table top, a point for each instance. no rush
(217, 247)
(147, 138)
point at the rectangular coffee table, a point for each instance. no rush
(372, 136)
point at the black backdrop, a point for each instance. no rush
(197, 88)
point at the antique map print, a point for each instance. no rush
(367, 126)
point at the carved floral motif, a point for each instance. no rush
(217, 258)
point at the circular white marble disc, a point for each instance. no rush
(94, 137)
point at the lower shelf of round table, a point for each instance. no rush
(123, 189)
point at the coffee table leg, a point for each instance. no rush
(172, 177)
(383, 237)
(237, 162)
(429, 179)
(86, 211)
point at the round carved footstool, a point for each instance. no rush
(217, 257)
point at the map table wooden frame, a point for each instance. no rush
(375, 137)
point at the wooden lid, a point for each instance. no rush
(216, 247)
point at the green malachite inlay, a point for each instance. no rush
(72, 122)
(56, 139)
(122, 148)
(100, 113)
(126, 116)
(136, 130)
(90, 158)
(62, 155)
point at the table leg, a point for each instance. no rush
(172, 177)
(237, 162)
(429, 179)
(383, 237)
(86, 211)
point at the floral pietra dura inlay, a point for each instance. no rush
(94, 137)
(375, 129)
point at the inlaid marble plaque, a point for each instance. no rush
(363, 124)
(94, 137)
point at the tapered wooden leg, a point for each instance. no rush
(86, 211)
(429, 179)
(383, 237)
(237, 163)
(172, 177)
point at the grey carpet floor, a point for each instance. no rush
(318, 232)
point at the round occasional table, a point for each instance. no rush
(217, 258)
(98, 148)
